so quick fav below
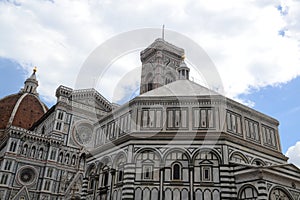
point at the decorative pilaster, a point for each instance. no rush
(129, 176)
(191, 171)
(84, 188)
(228, 187)
(161, 182)
(262, 190)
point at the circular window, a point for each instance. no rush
(83, 134)
(27, 175)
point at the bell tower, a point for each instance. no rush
(160, 63)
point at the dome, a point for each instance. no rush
(22, 109)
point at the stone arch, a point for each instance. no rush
(138, 193)
(258, 162)
(168, 194)
(147, 164)
(25, 149)
(146, 193)
(106, 160)
(41, 152)
(206, 164)
(184, 194)
(154, 194)
(216, 194)
(176, 194)
(247, 191)
(103, 170)
(73, 159)
(182, 150)
(33, 150)
(207, 194)
(90, 168)
(115, 195)
(60, 157)
(67, 158)
(198, 194)
(238, 157)
(142, 150)
(118, 165)
(82, 160)
(280, 192)
(170, 76)
(171, 158)
(120, 155)
(213, 151)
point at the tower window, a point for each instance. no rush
(150, 86)
(147, 172)
(7, 165)
(25, 148)
(47, 185)
(43, 130)
(58, 126)
(53, 155)
(33, 149)
(4, 179)
(49, 173)
(60, 115)
(105, 178)
(176, 171)
(120, 175)
(13, 146)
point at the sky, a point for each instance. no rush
(254, 45)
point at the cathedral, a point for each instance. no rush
(175, 140)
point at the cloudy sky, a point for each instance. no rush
(254, 44)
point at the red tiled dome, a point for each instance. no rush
(20, 110)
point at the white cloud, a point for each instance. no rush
(294, 154)
(241, 37)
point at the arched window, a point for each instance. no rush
(206, 166)
(53, 155)
(73, 160)
(238, 157)
(150, 86)
(120, 173)
(82, 161)
(258, 162)
(278, 193)
(43, 130)
(13, 146)
(60, 157)
(176, 171)
(25, 148)
(248, 192)
(41, 151)
(92, 183)
(105, 176)
(33, 149)
(67, 159)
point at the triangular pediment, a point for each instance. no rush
(22, 194)
(74, 188)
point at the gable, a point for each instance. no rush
(22, 194)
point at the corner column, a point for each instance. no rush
(129, 176)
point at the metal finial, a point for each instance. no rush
(34, 69)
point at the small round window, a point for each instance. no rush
(27, 176)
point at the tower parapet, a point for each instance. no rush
(160, 62)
